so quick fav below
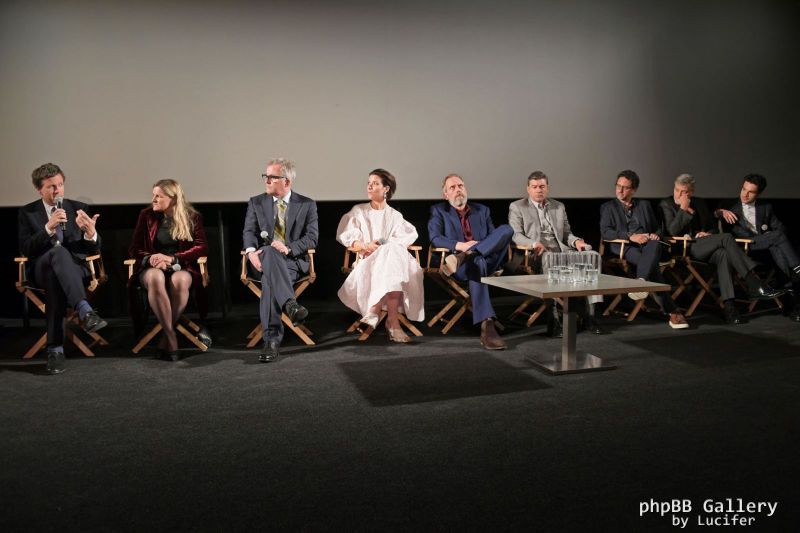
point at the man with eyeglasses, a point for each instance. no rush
(279, 229)
(634, 220)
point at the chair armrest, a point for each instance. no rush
(621, 242)
(681, 239)
(202, 262)
(432, 250)
(746, 244)
(22, 277)
(129, 263)
(312, 273)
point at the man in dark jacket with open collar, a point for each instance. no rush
(750, 218)
(56, 235)
(279, 228)
(633, 220)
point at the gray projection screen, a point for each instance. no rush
(121, 94)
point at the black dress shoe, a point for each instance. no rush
(732, 315)
(591, 325)
(296, 312)
(269, 352)
(92, 322)
(169, 355)
(765, 292)
(56, 362)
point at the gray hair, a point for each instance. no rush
(444, 181)
(685, 179)
(287, 167)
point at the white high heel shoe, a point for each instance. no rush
(370, 319)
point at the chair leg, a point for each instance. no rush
(407, 323)
(613, 305)
(441, 313)
(144, 340)
(255, 336)
(70, 336)
(298, 330)
(36, 348)
(190, 337)
(458, 315)
(536, 314)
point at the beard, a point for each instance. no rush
(459, 201)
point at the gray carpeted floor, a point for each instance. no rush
(438, 435)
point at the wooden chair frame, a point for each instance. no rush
(183, 321)
(97, 277)
(621, 264)
(460, 301)
(527, 268)
(299, 286)
(693, 274)
(751, 304)
(351, 259)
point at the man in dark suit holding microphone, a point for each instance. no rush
(56, 235)
(279, 228)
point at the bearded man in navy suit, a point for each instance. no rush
(478, 249)
(752, 219)
(56, 235)
(279, 229)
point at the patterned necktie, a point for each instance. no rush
(59, 231)
(280, 221)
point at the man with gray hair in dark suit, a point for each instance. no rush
(279, 229)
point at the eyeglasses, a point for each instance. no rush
(268, 178)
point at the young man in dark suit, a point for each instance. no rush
(478, 249)
(56, 235)
(632, 219)
(279, 228)
(752, 219)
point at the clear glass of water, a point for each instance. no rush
(565, 275)
(553, 273)
(592, 275)
(578, 272)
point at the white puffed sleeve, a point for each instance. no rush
(402, 230)
(350, 228)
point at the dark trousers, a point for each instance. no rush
(62, 278)
(645, 258)
(779, 247)
(491, 254)
(277, 279)
(723, 251)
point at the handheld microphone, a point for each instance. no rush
(265, 236)
(60, 205)
(175, 267)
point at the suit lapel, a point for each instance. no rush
(759, 217)
(455, 222)
(293, 209)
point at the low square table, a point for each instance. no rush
(571, 360)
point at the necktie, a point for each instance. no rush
(59, 231)
(280, 221)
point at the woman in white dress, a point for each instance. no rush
(386, 275)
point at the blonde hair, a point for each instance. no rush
(183, 223)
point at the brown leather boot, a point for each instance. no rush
(490, 339)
